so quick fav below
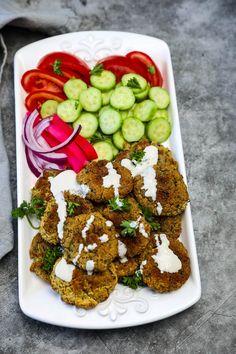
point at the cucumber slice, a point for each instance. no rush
(144, 110)
(105, 81)
(132, 129)
(122, 98)
(142, 95)
(106, 97)
(160, 113)
(48, 108)
(160, 96)
(141, 81)
(114, 150)
(69, 110)
(109, 121)
(104, 150)
(74, 87)
(124, 114)
(91, 99)
(89, 124)
(131, 111)
(119, 84)
(158, 130)
(118, 140)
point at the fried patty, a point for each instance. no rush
(42, 186)
(165, 282)
(127, 268)
(92, 176)
(37, 252)
(49, 221)
(172, 192)
(170, 225)
(103, 253)
(85, 290)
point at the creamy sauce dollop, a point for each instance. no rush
(122, 250)
(112, 179)
(165, 259)
(64, 271)
(104, 238)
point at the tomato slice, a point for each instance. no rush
(152, 71)
(69, 74)
(35, 99)
(34, 80)
(121, 65)
(67, 61)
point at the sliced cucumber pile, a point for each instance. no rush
(113, 114)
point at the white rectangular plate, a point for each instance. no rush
(125, 307)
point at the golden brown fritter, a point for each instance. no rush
(127, 268)
(49, 221)
(85, 290)
(92, 175)
(118, 216)
(37, 252)
(102, 254)
(172, 192)
(170, 225)
(84, 205)
(42, 186)
(165, 282)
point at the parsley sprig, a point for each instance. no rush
(138, 156)
(133, 281)
(52, 254)
(57, 67)
(35, 208)
(71, 207)
(97, 70)
(151, 69)
(133, 83)
(129, 228)
(150, 218)
(119, 204)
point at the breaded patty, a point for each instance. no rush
(92, 176)
(84, 205)
(118, 216)
(165, 157)
(165, 281)
(37, 252)
(49, 221)
(136, 245)
(172, 192)
(42, 186)
(170, 225)
(127, 268)
(84, 290)
(88, 238)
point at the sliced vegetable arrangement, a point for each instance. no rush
(119, 101)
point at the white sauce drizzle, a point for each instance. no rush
(112, 179)
(140, 226)
(159, 208)
(146, 170)
(109, 223)
(87, 226)
(81, 246)
(92, 246)
(90, 267)
(65, 181)
(64, 271)
(104, 238)
(122, 249)
(165, 258)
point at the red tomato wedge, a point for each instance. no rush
(152, 71)
(35, 99)
(34, 80)
(69, 74)
(121, 65)
(67, 61)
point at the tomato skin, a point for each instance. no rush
(35, 80)
(68, 61)
(35, 99)
(121, 65)
(143, 59)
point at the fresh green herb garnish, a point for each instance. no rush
(129, 228)
(118, 204)
(52, 254)
(150, 218)
(133, 83)
(76, 104)
(138, 155)
(133, 281)
(98, 136)
(151, 69)
(36, 207)
(70, 207)
(97, 70)
(57, 67)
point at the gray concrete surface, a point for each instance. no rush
(201, 36)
